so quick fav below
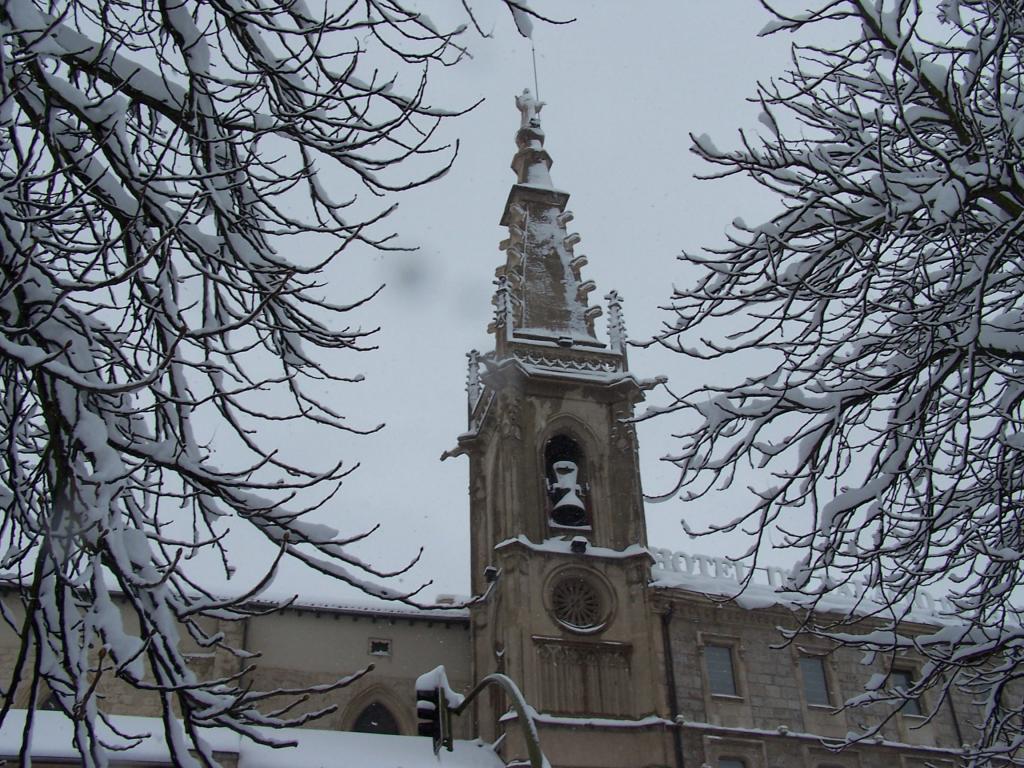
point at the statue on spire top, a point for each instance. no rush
(529, 108)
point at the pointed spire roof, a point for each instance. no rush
(543, 320)
(541, 293)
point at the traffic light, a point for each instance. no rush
(434, 719)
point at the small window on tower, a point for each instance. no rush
(565, 472)
(380, 647)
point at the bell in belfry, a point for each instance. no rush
(566, 495)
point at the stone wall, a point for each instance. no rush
(768, 722)
(301, 647)
(311, 647)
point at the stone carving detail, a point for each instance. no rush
(616, 325)
(570, 363)
(529, 109)
(623, 433)
(577, 604)
(502, 307)
(479, 489)
(509, 425)
(579, 678)
(473, 386)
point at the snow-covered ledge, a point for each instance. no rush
(564, 545)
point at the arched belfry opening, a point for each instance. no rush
(568, 490)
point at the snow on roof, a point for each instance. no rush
(52, 734)
(318, 749)
(369, 605)
(364, 604)
(52, 740)
(721, 577)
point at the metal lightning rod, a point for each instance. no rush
(536, 85)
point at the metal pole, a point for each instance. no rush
(670, 682)
(522, 709)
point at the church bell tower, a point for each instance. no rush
(556, 509)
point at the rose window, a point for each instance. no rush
(577, 604)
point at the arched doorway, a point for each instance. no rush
(376, 718)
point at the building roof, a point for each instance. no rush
(723, 578)
(451, 608)
(52, 740)
(369, 606)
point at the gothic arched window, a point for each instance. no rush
(565, 471)
(376, 718)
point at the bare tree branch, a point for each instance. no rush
(885, 434)
(160, 163)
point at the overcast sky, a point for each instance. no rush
(624, 85)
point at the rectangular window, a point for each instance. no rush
(721, 676)
(812, 670)
(731, 762)
(903, 680)
(380, 647)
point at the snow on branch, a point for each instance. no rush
(166, 226)
(884, 304)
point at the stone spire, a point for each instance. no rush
(544, 297)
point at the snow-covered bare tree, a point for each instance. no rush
(160, 163)
(883, 436)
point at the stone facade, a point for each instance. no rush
(303, 646)
(769, 721)
(336, 642)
